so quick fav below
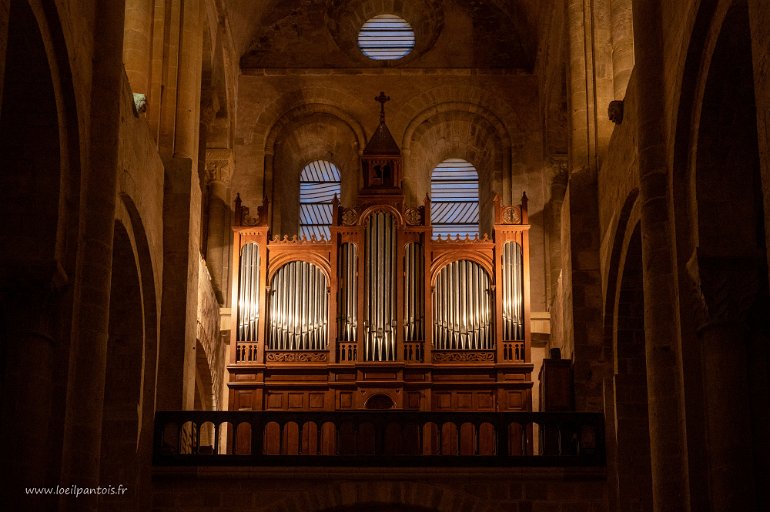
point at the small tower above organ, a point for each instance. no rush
(381, 161)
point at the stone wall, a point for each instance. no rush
(212, 360)
(429, 489)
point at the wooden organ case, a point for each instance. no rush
(382, 316)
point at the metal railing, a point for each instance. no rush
(378, 438)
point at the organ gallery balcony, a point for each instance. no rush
(378, 439)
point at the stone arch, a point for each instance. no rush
(39, 140)
(253, 176)
(457, 97)
(482, 112)
(307, 134)
(719, 211)
(129, 219)
(298, 102)
(625, 387)
(628, 217)
(699, 26)
(122, 419)
(731, 274)
(39, 201)
(449, 131)
(633, 476)
(292, 116)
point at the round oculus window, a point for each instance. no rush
(386, 37)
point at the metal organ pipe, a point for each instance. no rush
(347, 293)
(413, 292)
(513, 306)
(461, 308)
(380, 288)
(248, 293)
(298, 308)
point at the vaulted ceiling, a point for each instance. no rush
(448, 33)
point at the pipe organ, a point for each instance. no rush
(462, 313)
(382, 314)
(382, 307)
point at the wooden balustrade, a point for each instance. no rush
(246, 352)
(413, 351)
(377, 438)
(513, 351)
(347, 352)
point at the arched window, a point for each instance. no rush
(454, 192)
(318, 184)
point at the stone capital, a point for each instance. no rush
(219, 165)
(559, 172)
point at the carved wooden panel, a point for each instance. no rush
(413, 399)
(316, 400)
(274, 400)
(346, 400)
(296, 400)
(244, 399)
(515, 400)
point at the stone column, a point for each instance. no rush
(665, 380)
(559, 178)
(218, 172)
(137, 44)
(91, 294)
(622, 45)
(728, 287)
(157, 83)
(29, 311)
(588, 84)
(181, 209)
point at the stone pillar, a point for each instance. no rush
(729, 288)
(218, 172)
(622, 45)
(29, 311)
(181, 212)
(91, 294)
(559, 177)
(165, 110)
(188, 114)
(137, 44)
(590, 86)
(157, 81)
(665, 380)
